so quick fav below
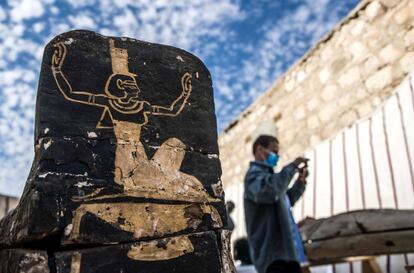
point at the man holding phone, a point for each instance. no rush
(273, 235)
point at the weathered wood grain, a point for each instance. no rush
(361, 245)
(358, 222)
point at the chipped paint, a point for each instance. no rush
(211, 156)
(34, 262)
(12, 225)
(88, 196)
(69, 41)
(197, 75)
(92, 134)
(218, 189)
(43, 175)
(47, 144)
(180, 58)
(163, 249)
(46, 130)
(159, 177)
(75, 264)
(146, 219)
(68, 229)
(226, 257)
(215, 216)
(83, 184)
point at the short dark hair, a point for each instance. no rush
(241, 251)
(263, 140)
(230, 205)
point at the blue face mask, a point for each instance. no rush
(272, 159)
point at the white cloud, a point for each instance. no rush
(183, 24)
(284, 41)
(200, 26)
(82, 21)
(80, 3)
(26, 9)
(54, 10)
(38, 27)
(186, 25)
(126, 23)
(3, 15)
(10, 77)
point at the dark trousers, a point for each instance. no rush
(284, 267)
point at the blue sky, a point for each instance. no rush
(245, 44)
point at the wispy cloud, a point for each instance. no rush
(284, 41)
(245, 47)
(26, 26)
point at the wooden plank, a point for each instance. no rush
(358, 222)
(409, 267)
(340, 260)
(370, 266)
(361, 245)
(306, 269)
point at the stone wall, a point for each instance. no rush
(343, 78)
(7, 203)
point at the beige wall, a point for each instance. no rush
(341, 79)
(7, 203)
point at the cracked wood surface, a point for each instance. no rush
(359, 233)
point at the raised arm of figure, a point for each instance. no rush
(177, 106)
(63, 84)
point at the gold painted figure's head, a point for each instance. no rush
(122, 84)
(122, 87)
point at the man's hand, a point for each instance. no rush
(301, 162)
(303, 174)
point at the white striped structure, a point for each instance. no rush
(367, 165)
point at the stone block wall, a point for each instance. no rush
(7, 203)
(343, 78)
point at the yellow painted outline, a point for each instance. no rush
(115, 104)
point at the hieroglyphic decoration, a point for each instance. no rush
(126, 173)
(187, 253)
(158, 177)
(75, 262)
(150, 251)
(120, 96)
(146, 219)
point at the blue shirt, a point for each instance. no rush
(269, 226)
(300, 252)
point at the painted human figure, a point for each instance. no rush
(158, 177)
(121, 96)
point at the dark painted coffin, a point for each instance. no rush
(125, 151)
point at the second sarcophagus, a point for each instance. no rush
(125, 153)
